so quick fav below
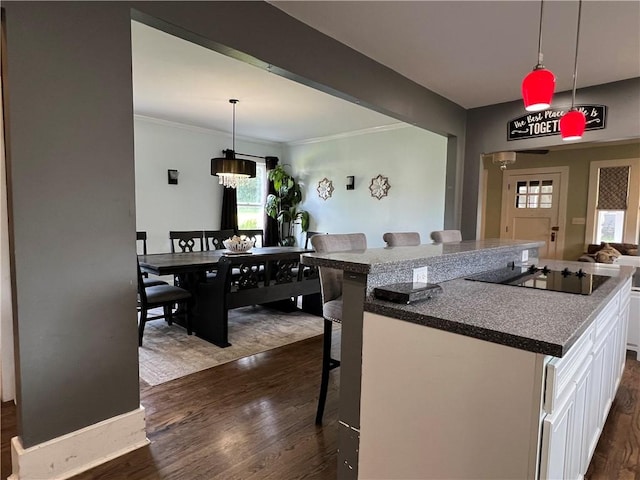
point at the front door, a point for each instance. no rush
(531, 208)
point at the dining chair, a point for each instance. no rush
(141, 236)
(446, 236)
(213, 238)
(164, 296)
(331, 291)
(402, 239)
(186, 240)
(257, 235)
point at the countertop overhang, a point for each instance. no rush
(380, 260)
(539, 321)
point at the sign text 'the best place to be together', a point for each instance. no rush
(542, 124)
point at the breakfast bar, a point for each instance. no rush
(483, 380)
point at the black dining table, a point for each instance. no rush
(201, 262)
(191, 270)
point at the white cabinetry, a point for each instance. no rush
(633, 328)
(435, 404)
(580, 389)
(633, 339)
(565, 428)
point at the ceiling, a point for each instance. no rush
(474, 53)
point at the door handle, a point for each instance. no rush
(554, 231)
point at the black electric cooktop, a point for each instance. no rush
(530, 276)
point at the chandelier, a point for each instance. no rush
(231, 171)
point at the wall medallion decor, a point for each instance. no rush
(325, 188)
(379, 186)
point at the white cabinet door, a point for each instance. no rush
(608, 376)
(565, 436)
(557, 439)
(580, 448)
(595, 393)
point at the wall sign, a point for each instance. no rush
(543, 124)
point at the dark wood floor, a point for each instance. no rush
(617, 455)
(253, 419)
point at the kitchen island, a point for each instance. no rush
(482, 381)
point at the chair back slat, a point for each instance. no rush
(141, 290)
(142, 236)
(257, 235)
(213, 238)
(186, 241)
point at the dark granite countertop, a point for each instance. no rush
(539, 321)
(378, 260)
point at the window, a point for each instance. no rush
(610, 226)
(251, 199)
(614, 202)
(534, 194)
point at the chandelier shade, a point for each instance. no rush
(537, 89)
(572, 125)
(231, 171)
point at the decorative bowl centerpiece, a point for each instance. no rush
(238, 244)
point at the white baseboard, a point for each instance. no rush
(76, 452)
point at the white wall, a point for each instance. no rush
(196, 202)
(413, 159)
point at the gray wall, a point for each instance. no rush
(71, 179)
(487, 132)
(70, 152)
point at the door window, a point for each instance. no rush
(534, 194)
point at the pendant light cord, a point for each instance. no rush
(540, 35)
(575, 65)
(233, 127)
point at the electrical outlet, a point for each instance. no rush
(420, 275)
(525, 255)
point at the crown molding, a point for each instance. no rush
(207, 131)
(355, 133)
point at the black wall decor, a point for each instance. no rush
(543, 124)
(172, 177)
(350, 182)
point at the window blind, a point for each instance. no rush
(613, 187)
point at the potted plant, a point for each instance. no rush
(283, 205)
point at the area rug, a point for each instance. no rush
(168, 352)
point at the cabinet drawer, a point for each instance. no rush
(561, 372)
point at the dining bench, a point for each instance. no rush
(244, 280)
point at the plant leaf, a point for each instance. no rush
(304, 220)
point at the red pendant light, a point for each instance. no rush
(537, 89)
(573, 123)
(538, 86)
